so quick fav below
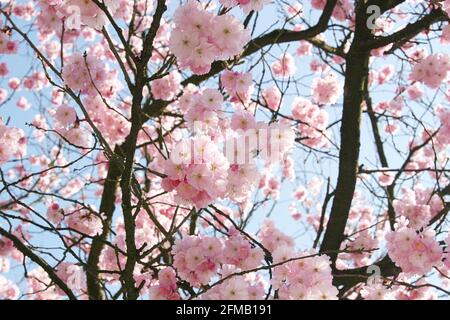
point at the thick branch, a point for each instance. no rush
(410, 31)
(357, 69)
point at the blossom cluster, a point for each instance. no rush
(197, 170)
(359, 249)
(78, 12)
(166, 289)
(166, 88)
(306, 277)
(313, 122)
(326, 90)
(8, 289)
(7, 46)
(285, 66)
(198, 259)
(201, 172)
(432, 70)
(12, 142)
(202, 107)
(79, 219)
(341, 11)
(201, 37)
(238, 85)
(414, 252)
(298, 275)
(418, 206)
(272, 97)
(89, 75)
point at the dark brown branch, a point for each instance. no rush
(402, 36)
(357, 69)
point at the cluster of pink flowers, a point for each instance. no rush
(446, 6)
(361, 246)
(272, 238)
(73, 275)
(25, 11)
(111, 123)
(313, 122)
(197, 259)
(79, 219)
(65, 116)
(167, 87)
(6, 246)
(202, 106)
(200, 37)
(89, 75)
(166, 289)
(40, 285)
(197, 171)
(200, 172)
(272, 97)
(445, 37)
(415, 91)
(443, 136)
(432, 70)
(84, 221)
(238, 85)
(285, 66)
(247, 287)
(297, 277)
(341, 11)
(7, 46)
(385, 178)
(304, 49)
(77, 136)
(113, 126)
(303, 279)
(418, 206)
(241, 180)
(414, 252)
(246, 5)
(385, 74)
(8, 289)
(272, 141)
(326, 90)
(376, 291)
(23, 103)
(79, 12)
(12, 142)
(239, 252)
(36, 81)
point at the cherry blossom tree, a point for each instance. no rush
(224, 149)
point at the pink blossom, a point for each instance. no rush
(200, 37)
(272, 96)
(414, 252)
(326, 90)
(285, 66)
(432, 71)
(167, 87)
(23, 103)
(238, 85)
(65, 115)
(385, 178)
